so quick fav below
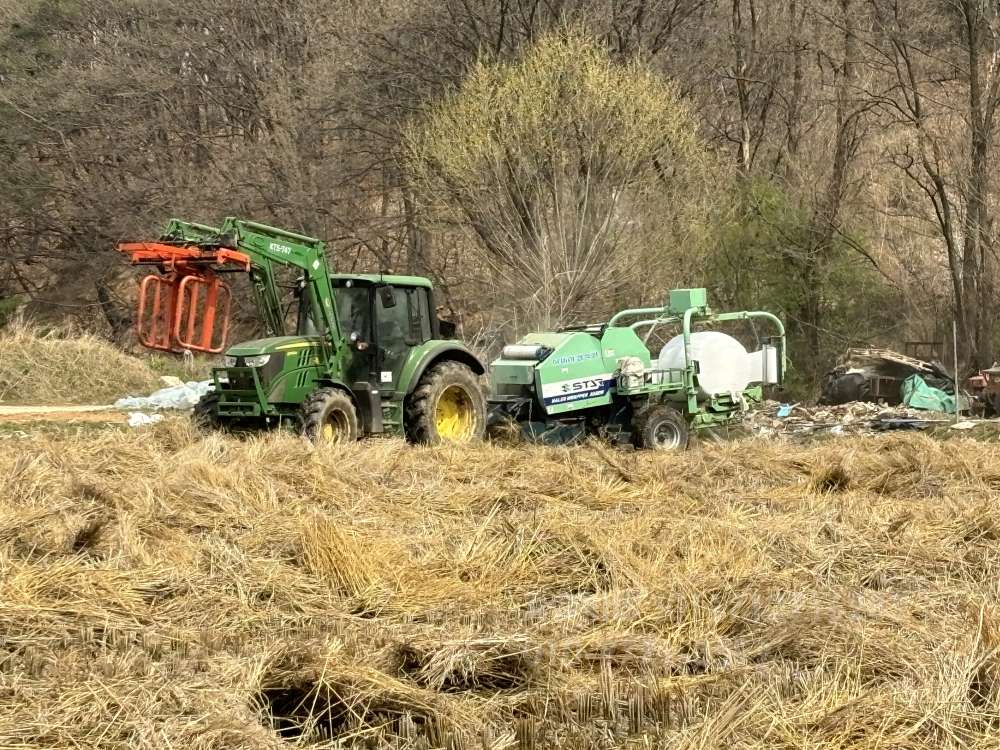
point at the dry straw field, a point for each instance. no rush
(66, 366)
(166, 589)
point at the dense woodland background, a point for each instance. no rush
(544, 161)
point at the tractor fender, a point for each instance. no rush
(338, 384)
(434, 353)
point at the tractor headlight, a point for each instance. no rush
(259, 361)
(230, 361)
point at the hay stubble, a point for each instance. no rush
(165, 588)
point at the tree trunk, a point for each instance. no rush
(743, 51)
(975, 333)
(118, 319)
(827, 215)
(416, 261)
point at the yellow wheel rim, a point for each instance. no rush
(454, 416)
(336, 427)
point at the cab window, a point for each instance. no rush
(354, 310)
(421, 322)
(393, 319)
(309, 321)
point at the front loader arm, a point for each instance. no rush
(269, 246)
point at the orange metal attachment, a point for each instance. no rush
(187, 306)
(200, 323)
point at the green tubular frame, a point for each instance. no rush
(704, 315)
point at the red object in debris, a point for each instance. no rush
(186, 306)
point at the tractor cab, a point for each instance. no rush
(383, 319)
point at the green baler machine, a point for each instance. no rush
(602, 379)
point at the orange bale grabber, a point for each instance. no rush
(186, 306)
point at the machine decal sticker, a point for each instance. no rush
(577, 389)
(572, 359)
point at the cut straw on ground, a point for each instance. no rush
(167, 588)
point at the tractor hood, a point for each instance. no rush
(273, 345)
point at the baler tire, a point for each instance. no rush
(329, 416)
(203, 415)
(448, 387)
(660, 427)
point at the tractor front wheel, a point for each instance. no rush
(204, 413)
(660, 427)
(447, 406)
(329, 416)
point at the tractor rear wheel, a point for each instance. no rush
(329, 416)
(447, 406)
(204, 413)
(660, 427)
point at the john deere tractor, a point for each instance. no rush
(361, 354)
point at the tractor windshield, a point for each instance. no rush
(354, 310)
(309, 322)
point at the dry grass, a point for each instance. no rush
(165, 589)
(65, 366)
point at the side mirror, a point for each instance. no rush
(447, 328)
(387, 296)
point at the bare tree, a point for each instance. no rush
(945, 66)
(549, 162)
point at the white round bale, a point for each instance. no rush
(723, 364)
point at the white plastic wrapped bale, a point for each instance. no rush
(723, 363)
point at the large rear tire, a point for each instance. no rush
(447, 406)
(660, 427)
(329, 416)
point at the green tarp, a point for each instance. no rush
(918, 395)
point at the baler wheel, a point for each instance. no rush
(660, 427)
(447, 406)
(329, 416)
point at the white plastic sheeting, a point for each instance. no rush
(724, 365)
(183, 396)
(631, 371)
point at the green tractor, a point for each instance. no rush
(365, 354)
(354, 355)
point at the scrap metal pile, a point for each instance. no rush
(887, 377)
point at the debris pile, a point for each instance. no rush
(857, 417)
(887, 377)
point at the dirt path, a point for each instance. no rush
(89, 413)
